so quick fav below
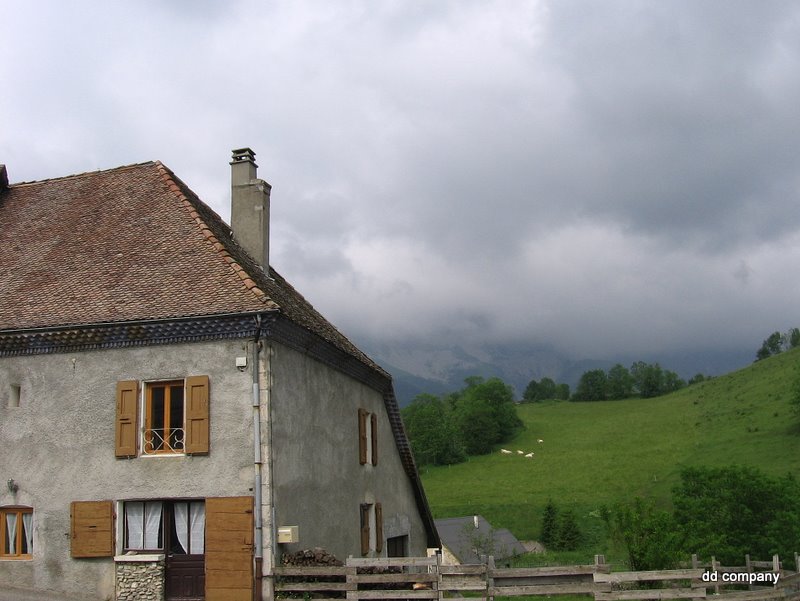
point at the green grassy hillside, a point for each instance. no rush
(600, 453)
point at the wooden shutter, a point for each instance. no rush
(374, 437)
(362, 436)
(126, 431)
(229, 549)
(364, 529)
(378, 527)
(92, 529)
(197, 430)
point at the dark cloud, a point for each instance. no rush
(606, 177)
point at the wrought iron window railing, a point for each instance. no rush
(163, 440)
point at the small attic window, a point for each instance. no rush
(16, 395)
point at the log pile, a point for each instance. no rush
(310, 557)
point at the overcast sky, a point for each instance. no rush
(610, 177)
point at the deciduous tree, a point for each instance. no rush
(591, 386)
(731, 511)
(620, 382)
(432, 432)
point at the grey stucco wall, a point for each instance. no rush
(58, 445)
(318, 481)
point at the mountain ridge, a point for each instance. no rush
(438, 369)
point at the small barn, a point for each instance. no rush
(466, 539)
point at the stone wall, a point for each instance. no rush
(140, 579)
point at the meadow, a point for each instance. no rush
(600, 453)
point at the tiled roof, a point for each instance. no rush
(127, 244)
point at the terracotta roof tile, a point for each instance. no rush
(126, 244)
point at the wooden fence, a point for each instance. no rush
(428, 578)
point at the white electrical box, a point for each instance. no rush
(241, 361)
(288, 534)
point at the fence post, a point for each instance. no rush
(715, 568)
(438, 582)
(489, 577)
(776, 564)
(352, 582)
(797, 562)
(749, 567)
(694, 561)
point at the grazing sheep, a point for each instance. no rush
(505, 452)
(520, 452)
(529, 455)
(540, 441)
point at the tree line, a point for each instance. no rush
(645, 380)
(777, 342)
(446, 429)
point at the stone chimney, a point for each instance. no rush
(250, 207)
(3, 178)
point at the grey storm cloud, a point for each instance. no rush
(602, 177)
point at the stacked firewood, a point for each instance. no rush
(310, 557)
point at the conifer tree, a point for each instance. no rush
(569, 536)
(549, 535)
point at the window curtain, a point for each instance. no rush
(27, 531)
(134, 519)
(152, 524)
(181, 511)
(11, 533)
(197, 521)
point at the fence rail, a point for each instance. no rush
(428, 578)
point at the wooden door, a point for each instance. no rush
(184, 570)
(229, 549)
(185, 578)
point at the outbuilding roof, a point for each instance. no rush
(469, 537)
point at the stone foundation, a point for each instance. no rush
(140, 577)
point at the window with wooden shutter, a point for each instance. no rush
(197, 422)
(365, 511)
(362, 436)
(378, 527)
(92, 529)
(126, 431)
(374, 437)
(175, 417)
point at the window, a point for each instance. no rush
(164, 418)
(16, 532)
(143, 526)
(371, 528)
(174, 417)
(367, 437)
(397, 546)
(15, 396)
(177, 527)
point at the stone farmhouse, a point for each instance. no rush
(174, 415)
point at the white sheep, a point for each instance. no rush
(520, 452)
(529, 455)
(505, 451)
(540, 441)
